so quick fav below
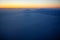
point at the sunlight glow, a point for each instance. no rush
(29, 4)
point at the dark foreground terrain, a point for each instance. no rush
(29, 24)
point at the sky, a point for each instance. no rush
(29, 3)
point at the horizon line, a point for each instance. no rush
(29, 8)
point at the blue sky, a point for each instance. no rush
(30, 1)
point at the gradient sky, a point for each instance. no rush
(29, 3)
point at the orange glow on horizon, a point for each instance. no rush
(29, 6)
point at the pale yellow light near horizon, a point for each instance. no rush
(28, 4)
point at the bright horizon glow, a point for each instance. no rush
(29, 4)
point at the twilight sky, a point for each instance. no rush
(29, 3)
